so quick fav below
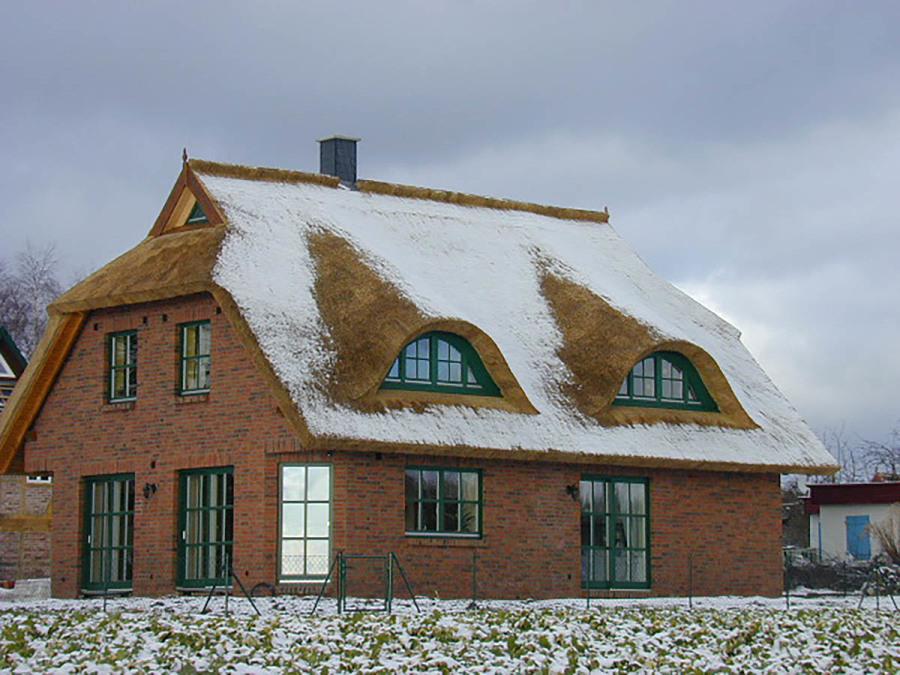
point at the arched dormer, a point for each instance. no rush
(665, 379)
(442, 362)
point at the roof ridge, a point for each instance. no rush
(261, 173)
(467, 199)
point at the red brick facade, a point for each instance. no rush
(728, 525)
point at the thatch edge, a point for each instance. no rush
(33, 387)
(466, 199)
(261, 173)
(340, 444)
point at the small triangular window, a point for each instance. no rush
(665, 380)
(197, 215)
(439, 361)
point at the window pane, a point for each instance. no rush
(636, 533)
(623, 503)
(319, 483)
(293, 483)
(394, 372)
(469, 486)
(412, 516)
(638, 499)
(600, 567)
(451, 517)
(599, 503)
(639, 566)
(412, 484)
(451, 485)
(317, 560)
(317, 520)
(429, 516)
(599, 538)
(293, 520)
(623, 567)
(293, 553)
(203, 339)
(468, 518)
(429, 484)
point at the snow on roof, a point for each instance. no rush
(482, 265)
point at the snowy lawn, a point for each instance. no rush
(171, 635)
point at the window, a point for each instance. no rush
(197, 215)
(305, 521)
(206, 525)
(123, 366)
(440, 362)
(6, 390)
(615, 532)
(195, 357)
(108, 547)
(443, 501)
(665, 380)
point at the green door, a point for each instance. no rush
(205, 526)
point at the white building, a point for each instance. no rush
(842, 515)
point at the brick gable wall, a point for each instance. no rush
(728, 525)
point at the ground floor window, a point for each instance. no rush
(108, 547)
(615, 532)
(443, 501)
(206, 526)
(305, 521)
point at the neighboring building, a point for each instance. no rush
(12, 363)
(24, 501)
(296, 364)
(841, 516)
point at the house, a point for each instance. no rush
(12, 363)
(294, 364)
(842, 517)
(24, 500)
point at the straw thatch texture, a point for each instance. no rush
(35, 383)
(370, 321)
(463, 199)
(176, 263)
(601, 345)
(261, 173)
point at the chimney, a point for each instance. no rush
(337, 157)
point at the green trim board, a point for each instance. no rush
(108, 532)
(122, 350)
(444, 501)
(615, 532)
(665, 380)
(304, 518)
(205, 525)
(194, 357)
(440, 361)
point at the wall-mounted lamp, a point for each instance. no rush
(572, 491)
(149, 489)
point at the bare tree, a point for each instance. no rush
(883, 457)
(846, 453)
(26, 289)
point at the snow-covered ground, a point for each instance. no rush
(731, 635)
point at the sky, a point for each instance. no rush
(746, 150)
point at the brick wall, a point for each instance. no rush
(726, 526)
(25, 518)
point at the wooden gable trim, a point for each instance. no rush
(188, 190)
(35, 384)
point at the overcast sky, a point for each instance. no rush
(747, 150)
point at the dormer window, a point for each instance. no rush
(665, 380)
(439, 361)
(197, 215)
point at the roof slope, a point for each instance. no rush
(325, 286)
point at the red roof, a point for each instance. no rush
(887, 492)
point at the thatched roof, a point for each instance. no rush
(324, 286)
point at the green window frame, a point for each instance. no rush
(122, 348)
(195, 362)
(108, 532)
(205, 526)
(439, 361)
(305, 521)
(197, 215)
(615, 532)
(665, 380)
(443, 501)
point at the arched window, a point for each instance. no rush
(665, 380)
(440, 361)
